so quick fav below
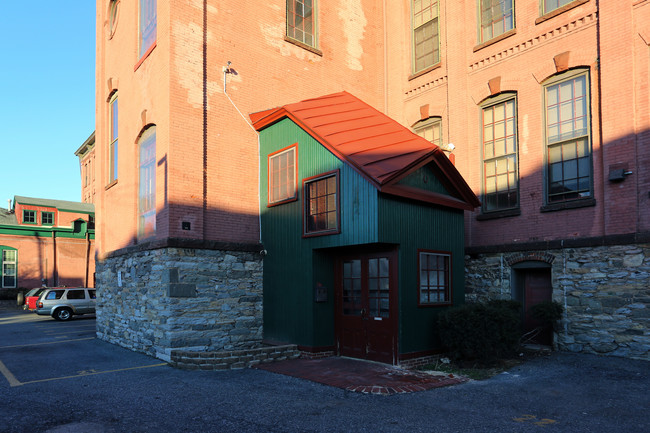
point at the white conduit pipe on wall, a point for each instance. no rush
(226, 71)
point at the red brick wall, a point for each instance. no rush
(366, 50)
(61, 261)
(520, 63)
(169, 85)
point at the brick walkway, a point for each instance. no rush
(361, 376)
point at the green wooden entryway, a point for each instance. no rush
(351, 201)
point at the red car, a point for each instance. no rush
(31, 297)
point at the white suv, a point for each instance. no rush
(64, 302)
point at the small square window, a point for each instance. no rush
(47, 218)
(321, 204)
(434, 278)
(29, 216)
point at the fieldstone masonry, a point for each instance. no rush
(156, 301)
(605, 292)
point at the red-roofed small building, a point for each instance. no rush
(362, 224)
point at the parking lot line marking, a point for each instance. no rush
(10, 377)
(49, 342)
(87, 373)
(71, 331)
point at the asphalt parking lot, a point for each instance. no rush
(56, 377)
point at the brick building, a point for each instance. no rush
(46, 241)
(86, 155)
(545, 102)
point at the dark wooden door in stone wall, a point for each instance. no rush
(537, 289)
(367, 307)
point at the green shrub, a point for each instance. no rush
(481, 332)
(547, 312)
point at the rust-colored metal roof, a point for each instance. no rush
(377, 146)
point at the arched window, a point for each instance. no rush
(431, 129)
(568, 137)
(148, 26)
(147, 184)
(112, 146)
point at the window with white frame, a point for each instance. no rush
(9, 267)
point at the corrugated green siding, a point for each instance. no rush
(291, 271)
(421, 226)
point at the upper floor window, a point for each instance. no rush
(500, 174)
(550, 5)
(47, 218)
(147, 184)
(301, 25)
(426, 36)
(113, 11)
(282, 175)
(148, 25)
(112, 147)
(321, 204)
(430, 129)
(495, 17)
(29, 216)
(9, 265)
(568, 141)
(434, 278)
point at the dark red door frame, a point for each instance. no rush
(363, 329)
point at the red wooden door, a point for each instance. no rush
(367, 307)
(537, 289)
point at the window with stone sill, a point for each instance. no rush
(495, 18)
(547, 6)
(147, 26)
(500, 154)
(426, 34)
(301, 22)
(568, 139)
(147, 184)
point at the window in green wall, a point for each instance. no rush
(321, 204)
(282, 175)
(434, 278)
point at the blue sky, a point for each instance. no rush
(47, 97)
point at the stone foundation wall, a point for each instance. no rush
(155, 301)
(605, 292)
(232, 360)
